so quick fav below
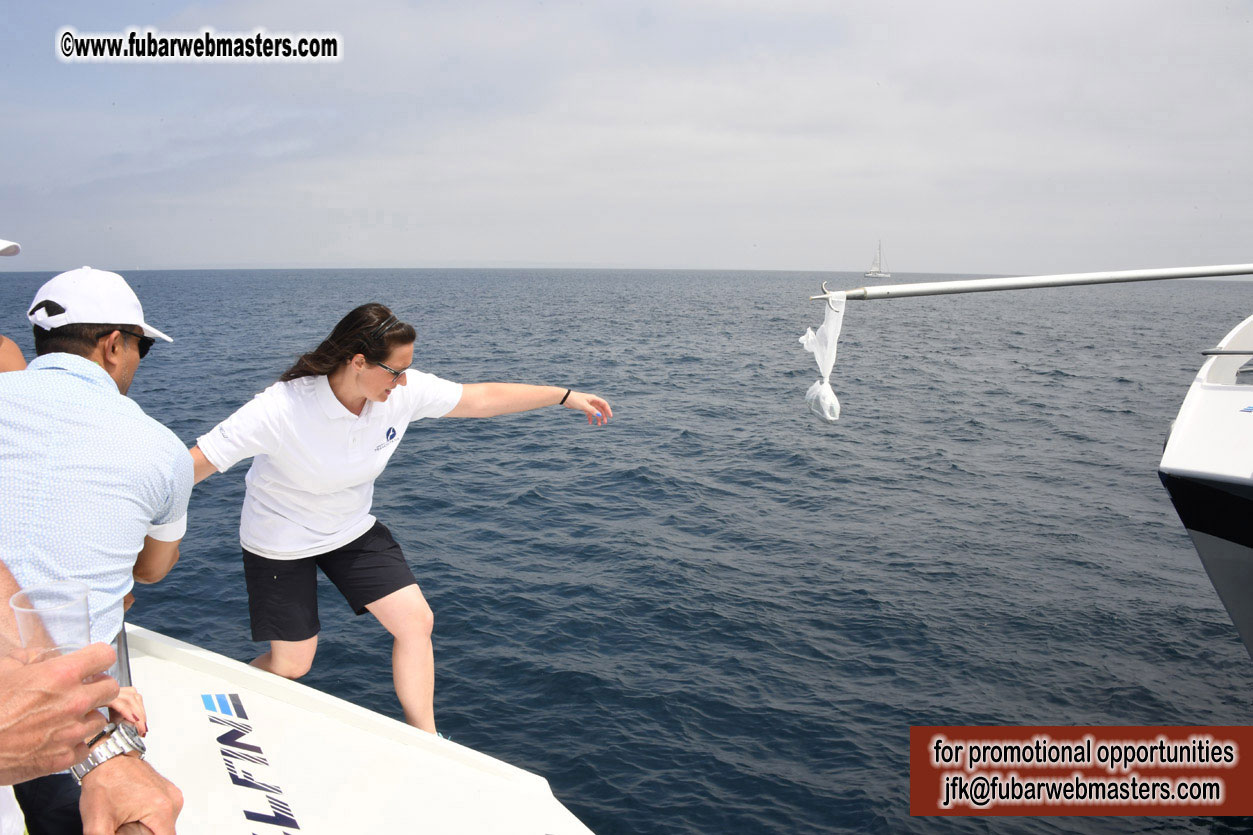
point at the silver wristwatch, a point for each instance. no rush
(119, 738)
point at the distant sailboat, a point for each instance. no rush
(876, 269)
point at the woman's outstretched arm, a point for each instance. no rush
(203, 469)
(491, 399)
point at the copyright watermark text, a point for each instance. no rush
(151, 45)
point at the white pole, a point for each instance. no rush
(980, 285)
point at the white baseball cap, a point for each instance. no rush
(87, 296)
(9, 247)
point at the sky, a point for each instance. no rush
(970, 137)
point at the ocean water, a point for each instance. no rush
(717, 614)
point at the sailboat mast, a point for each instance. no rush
(876, 269)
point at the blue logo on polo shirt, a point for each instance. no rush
(390, 436)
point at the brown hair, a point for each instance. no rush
(371, 330)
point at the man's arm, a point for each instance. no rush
(155, 559)
(46, 711)
(127, 789)
(160, 549)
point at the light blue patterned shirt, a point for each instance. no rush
(84, 476)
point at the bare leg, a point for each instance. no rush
(289, 659)
(406, 614)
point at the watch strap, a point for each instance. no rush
(120, 738)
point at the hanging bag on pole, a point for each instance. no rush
(820, 397)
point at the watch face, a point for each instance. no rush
(132, 736)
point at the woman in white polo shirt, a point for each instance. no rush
(318, 439)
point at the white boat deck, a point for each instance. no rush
(254, 753)
(1213, 433)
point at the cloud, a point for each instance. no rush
(973, 137)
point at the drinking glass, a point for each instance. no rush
(52, 618)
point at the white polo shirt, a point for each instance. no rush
(311, 483)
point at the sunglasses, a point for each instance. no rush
(395, 374)
(145, 342)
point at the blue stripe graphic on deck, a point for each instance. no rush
(227, 704)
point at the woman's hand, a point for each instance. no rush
(596, 408)
(129, 707)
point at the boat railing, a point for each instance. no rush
(980, 285)
(1228, 361)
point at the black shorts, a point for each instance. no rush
(283, 594)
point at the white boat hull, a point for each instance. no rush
(254, 753)
(1207, 467)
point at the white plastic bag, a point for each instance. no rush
(820, 397)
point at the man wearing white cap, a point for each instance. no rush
(91, 489)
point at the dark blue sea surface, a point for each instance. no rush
(717, 614)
